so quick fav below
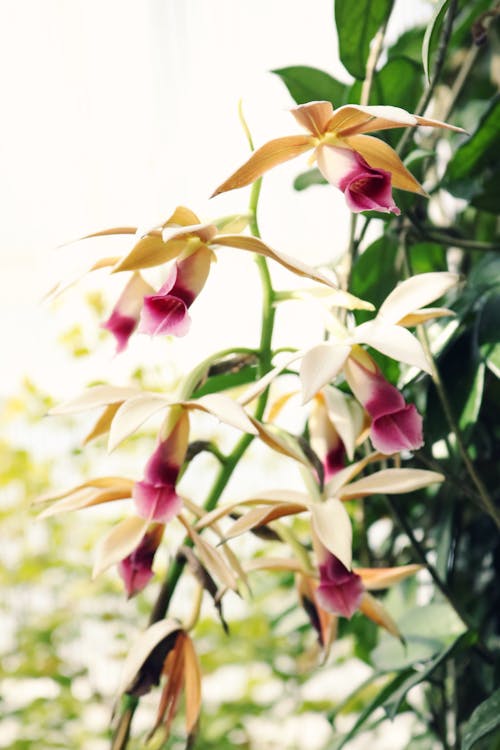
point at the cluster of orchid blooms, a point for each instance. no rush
(339, 422)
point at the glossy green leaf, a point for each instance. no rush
(484, 720)
(462, 643)
(382, 696)
(427, 630)
(408, 45)
(306, 179)
(357, 23)
(307, 84)
(375, 273)
(473, 171)
(218, 383)
(431, 35)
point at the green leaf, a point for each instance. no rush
(484, 720)
(408, 45)
(427, 630)
(462, 643)
(218, 383)
(463, 373)
(375, 273)
(379, 700)
(307, 84)
(473, 171)
(306, 179)
(431, 35)
(357, 23)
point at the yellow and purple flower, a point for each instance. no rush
(125, 315)
(136, 569)
(364, 168)
(166, 312)
(155, 496)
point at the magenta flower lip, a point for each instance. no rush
(396, 425)
(340, 590)
(136, 569)
(122, 327)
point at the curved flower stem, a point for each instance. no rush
(129, 703)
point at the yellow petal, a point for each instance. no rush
(380, 578)
(183, 217)
(426, 313)
(103, 423)
(150, 251)
(255, 245)
(192, 684)
(314, 116)
(372, 608)
(118, 543)
(270, 155)
(381, 156)
(262, 516)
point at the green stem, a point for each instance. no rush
(122, 731)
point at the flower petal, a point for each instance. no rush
(132, 414)
(155, 501)
(142, 648)
(99, 395)
(346, 415)
(314, 116)
(119, 542)
(151, 251)
(340, 590)
(416, 292)
(390, 482)
(255, 245)
(356, 118)
(373, 609)
(380, 155)
(392, 340)
(380, 578)
(332, 526)
(320, 365)
(226, 410)
(270, 155)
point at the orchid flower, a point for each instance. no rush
(343, 592)
(363, 167)
(136, 568)
(385, 333)
(335, 423)
(395, 426)
(155, 496)
(166, 312)
(182, 234)
(125, 315)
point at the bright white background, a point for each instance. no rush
(114, 112)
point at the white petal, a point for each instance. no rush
(396, 114)
(347, 416)
(224, 408)
(142, 648)
(100, 395)
(335, 163)
(392, 340)
(333, 527)
(132, 414)
(414, 293)
(392, 482)
(320, 365)
(260, 386)
(118, 543)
